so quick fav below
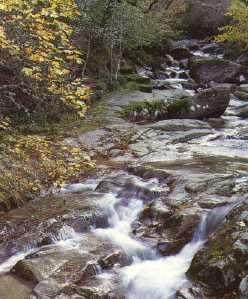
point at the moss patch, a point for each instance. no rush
(155, 110)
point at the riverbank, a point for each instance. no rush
(163, 198)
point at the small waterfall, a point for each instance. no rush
(7, 265)
(119, 231)
(210, 222)
(161, 278)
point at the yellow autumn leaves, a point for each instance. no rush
(39, 33)
(38, 163)
(237, 31)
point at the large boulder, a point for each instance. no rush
(221, 266)
(205, 70)
(209, 103)
(204, 17)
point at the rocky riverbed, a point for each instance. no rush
(165, 216)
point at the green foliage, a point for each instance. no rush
(154, 110)
(111, 29)
(237, 30)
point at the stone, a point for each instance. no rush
(222, 264)
(241, 111)
(102, 287)
(13, 288)
(180, 53)
(179, 125)
(243, 87)
(243, 59)
(209, 103)
(145, 88)
(109, 261)
(241, 95)
(243, 287)
(204, 17)
(213, 49)
(147, 172)
(205, 70)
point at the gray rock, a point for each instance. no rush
(241, 95)
(179, 125)
(12, 288)
(242, 111)
(102, 287)
(204, 17)
(209, 103)
(205, 70)
(243, 87)
(243, 287)
(180, 53)
(223, 263)
(243, 59)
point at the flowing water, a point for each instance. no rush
(149, 275)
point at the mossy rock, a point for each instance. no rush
(155, 110)
(126, 70)
(241, 95)
(138, 79)
(220, 265)
(145, 88)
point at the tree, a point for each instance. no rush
(36, 38)
(114, 27)
(237, 30)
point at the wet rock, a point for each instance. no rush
(241, 111)
(190, 85)
(116, 153)
(115, 258)
(179, 125)
(147, 173)
(243, 87)
(222, 264)
(12, 288)
(205, 70)
(243, 287)
(243, 59)
(161, 84)
(102, 287)
(130, 187)
(201, 106)
(241, 95)
(220, 186)
(169, 60)
(146, 88)
(180, 53)
(74, 266)
(213, 49)
(138, 79)
(189, 291)
(212, 201)
(46, 289)
(43, 264)
(191, 44)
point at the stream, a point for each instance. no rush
(131, 232)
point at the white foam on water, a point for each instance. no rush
(120, 221)
(80, 187)
(161, 278)
(7, 265)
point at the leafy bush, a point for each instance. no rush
(237, 30)
(39, 64)
(32, 163)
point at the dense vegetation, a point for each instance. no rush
(53, 55)
(237, 30)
